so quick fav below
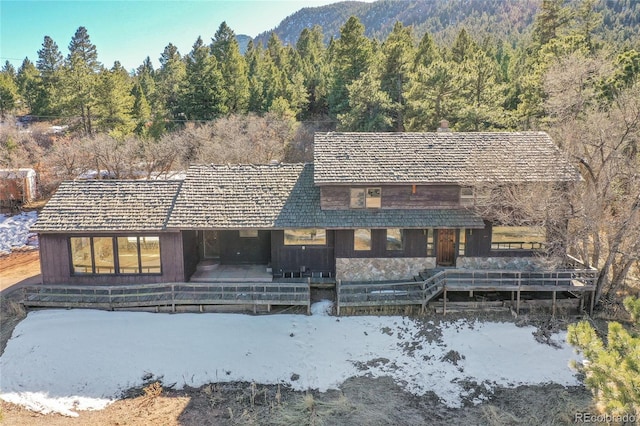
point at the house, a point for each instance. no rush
(371, 207)
(17, 185)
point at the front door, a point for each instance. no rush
(446, 248)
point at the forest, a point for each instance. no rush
(562, 74)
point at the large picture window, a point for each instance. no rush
(394, 239)
(517, 237)
(362, 239)
(305, 237)
(115, 255)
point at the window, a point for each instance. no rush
(362, 239)
(361, 198)
(115, 255)
(461, 242)
(249, 233)
(357, 198)
(104, 262)
(81, 255)
(517, 237)
(305, 237)
(394, 239)
(466, 196)
(430, 245)
(374, 199)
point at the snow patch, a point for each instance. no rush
(14, 232)
(323, 307)
(63, 361)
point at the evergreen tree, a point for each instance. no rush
(29, 86)
(9, 69)
(8, 93)
(78, 84)
(232, 65)
(370, 109)
(314, 68)
(141, 110)
(613, 368)
(253, 58)
(352, 54)
(49, 64)
(398, 55)
(49, 58)
(170, 80)
(427, 51)
(114, 102)
(204, 96)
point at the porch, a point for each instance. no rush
(214, 272)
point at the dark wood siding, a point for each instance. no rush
(237, 250)
(191, 250)
(292, 258)
(395, 196)
(414, 244)
(478, 241)
(55, 262)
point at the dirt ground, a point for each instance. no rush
(359, 401)
(19, 266)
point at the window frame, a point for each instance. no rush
(115, 254)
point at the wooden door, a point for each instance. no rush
(446, 248)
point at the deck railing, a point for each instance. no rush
(168, 295)
(363, 294)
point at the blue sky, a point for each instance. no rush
(130, 30)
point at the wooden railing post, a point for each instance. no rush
(338, 283)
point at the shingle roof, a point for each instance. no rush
(284, 196)
(443, 157)
(108, 205)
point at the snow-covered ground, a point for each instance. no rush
(66, 360)
(14, 232)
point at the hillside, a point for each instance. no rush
(444, 18)
(504, 19)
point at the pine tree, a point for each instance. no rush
(114, 102)
(613, 368)
(314, 68)
(170, 80)
(232, 65)
(204, 96)
(29, 86)
(9, 69)
(352, 55)
(78, 84)
(370, 109)
(50, 62)
(8, 93)
(398, 55)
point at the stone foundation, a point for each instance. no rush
(378, 269)
(516, 263)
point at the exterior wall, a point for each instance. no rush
(395, 196)
(55, 262)
(521, 263)
(191, 250)
(238, 250)
(414, 242)
(292, 258)
(478, 241)
(372, 269)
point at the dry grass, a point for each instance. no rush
(309, 410)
